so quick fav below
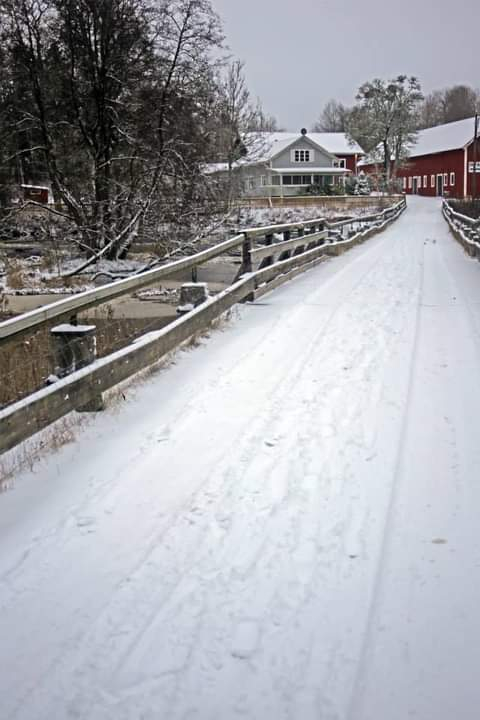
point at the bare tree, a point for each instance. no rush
(444, 106)
(333, 118)
(243, 124)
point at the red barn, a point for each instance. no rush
(440, 163)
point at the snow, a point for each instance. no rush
(452, 136)
(246, 217)
(283, 524)
(266, 145)
(68, 328)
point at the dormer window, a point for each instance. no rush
(302, 156)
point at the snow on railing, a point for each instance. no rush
(466, 229)
(68, 308)
(277, 262)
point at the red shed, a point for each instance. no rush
(38, 193)
(440, 163)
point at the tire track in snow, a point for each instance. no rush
(362, 666)
(278, 551)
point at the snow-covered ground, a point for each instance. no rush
(283, 525)
(259, 217)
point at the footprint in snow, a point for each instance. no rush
(245, 639)
(87, 524)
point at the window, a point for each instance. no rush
(251, 183)
(404, 183)
(275, 180)
(306, 179)
(302, 156)
(452, 178)
(263, 181)
(339, 163)
(409, 183)
(287, 180)
(425, 181)
(445, 179)
(419, 182)
(297, 179)
(432, 181)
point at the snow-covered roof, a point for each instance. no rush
(442, 138)
(336, 143)
(263, 146)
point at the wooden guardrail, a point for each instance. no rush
(23, 419)
(465, 229)
(71, 306)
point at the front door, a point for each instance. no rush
(439, 185)
(415, 186)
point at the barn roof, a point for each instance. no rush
(442, 138)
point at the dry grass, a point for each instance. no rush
(66, 430)
(471, 208)
(15, 274)
(25, 365)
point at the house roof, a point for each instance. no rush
(263, 146)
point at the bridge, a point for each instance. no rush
(281, 522)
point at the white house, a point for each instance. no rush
(286, 164)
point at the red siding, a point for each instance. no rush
(443, 163)
(37, 194)
(350, 162)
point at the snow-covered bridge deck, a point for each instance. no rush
(282, 525)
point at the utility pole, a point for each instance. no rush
(474, 178)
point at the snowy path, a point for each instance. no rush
(282, 525)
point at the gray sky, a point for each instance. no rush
(299, 54)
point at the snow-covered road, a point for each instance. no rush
(284, 525)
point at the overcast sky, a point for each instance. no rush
(300, 53)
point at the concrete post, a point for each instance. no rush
(192, 295)
(75, 347)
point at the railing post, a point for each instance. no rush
(246, 265)
(75, 347)
(246, 255)
(299, 249)
(267, 260)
